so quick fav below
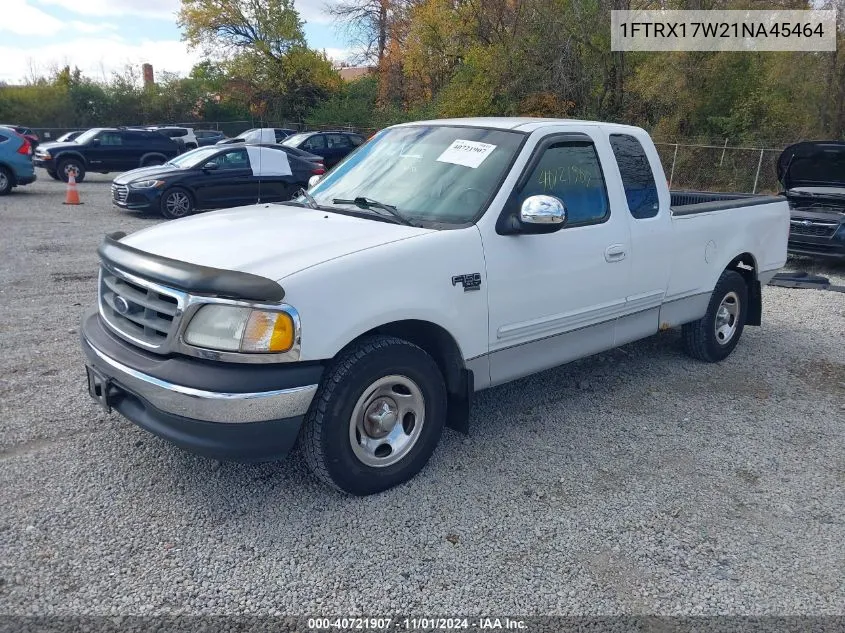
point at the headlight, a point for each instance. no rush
(146, 184)
(43, 154)
(239, 329)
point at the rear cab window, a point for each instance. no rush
(637, 176)
(570, 171)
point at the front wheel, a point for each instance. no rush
(53, 174)
(176, 203)
(713, 337)
(377, 417)
(5, 181)
(68, 165)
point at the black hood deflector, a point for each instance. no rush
(193, 278)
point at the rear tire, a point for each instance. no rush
(176, 203)
(6, 181)
(152, 162)
(713, 337)
(66, 165)
(376, 418)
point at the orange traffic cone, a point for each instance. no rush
(72, 195)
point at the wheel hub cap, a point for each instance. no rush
(381, 417)
(726, 318)
(387, 421)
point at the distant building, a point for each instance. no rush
(147, 71)
(351, 73)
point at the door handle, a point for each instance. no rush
(615, 253)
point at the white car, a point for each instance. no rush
(439, 259)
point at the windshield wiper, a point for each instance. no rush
(309, 198)
(369, 203)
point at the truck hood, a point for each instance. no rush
(812, 164)
(270, 240)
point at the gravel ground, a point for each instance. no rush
(638, 481)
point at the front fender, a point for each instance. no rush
(411, 279)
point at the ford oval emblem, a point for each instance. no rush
(121, 305)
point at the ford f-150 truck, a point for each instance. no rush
(439, 259)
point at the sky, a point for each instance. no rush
(103, 36)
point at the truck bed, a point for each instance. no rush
(690, 202)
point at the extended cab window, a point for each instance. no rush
(571, 171)
(637, 177)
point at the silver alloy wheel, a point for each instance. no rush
(4, 181)
(726, 318)
(71, 168)
(178, 204)
(387, 421)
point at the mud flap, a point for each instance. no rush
(460, 404)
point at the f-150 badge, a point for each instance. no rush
(470, 281)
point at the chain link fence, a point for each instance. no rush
(720, 167)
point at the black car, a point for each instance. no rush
(332, 146)
(213, 178)
(209, 137)
(104, 150)
(813, 179)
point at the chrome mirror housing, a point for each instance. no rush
(313, 180)
(542, 210)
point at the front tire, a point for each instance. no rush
(376, 418)
(54, 175)
(6, 181)
(71, 164)
(176, 203)
(713, 337)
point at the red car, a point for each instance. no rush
(26, 132)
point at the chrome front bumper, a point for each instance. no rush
(207, 406)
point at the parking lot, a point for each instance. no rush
(637, 481)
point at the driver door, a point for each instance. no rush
(555, 297)
(229, 185)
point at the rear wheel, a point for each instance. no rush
(376, 418)
(67, 165)
(176, 203)
(152, 161)
(5, 181)
(713, 337)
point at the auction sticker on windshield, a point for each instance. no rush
(466, 153)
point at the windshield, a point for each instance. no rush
(88, 135)
(295, 139)
(430, 173)
(194, 158)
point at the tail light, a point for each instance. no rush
(318, 170)
(26, 148)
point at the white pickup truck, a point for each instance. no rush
(439, 259)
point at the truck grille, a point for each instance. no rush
(144, 314)
(813, 228)
(119, 193)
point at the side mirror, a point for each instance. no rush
(313, 180)
(547, 213)
(210, 166)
